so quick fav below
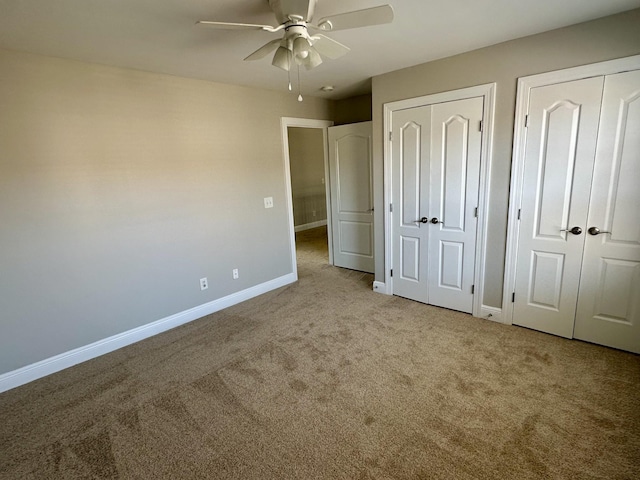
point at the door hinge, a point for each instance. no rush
(513, 297)
(473, 289)
(391, 207)
(480, 126)
(526, 121)
(475, 212)
(391, 136)
(391, 274)
(519, 210)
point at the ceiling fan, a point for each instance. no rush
(297, 46)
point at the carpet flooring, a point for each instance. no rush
(325, 379)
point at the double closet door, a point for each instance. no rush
(578, 254)
(435, 156)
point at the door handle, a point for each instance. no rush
(574, 230)
(435, 221)
(595, 231)
(422, 220)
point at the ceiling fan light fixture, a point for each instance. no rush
(282, 58)
(313, 60)
(301, 47)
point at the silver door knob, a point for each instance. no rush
(574, 230)
(595, 231)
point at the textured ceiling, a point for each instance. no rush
(160, 35)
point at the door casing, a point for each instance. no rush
(525, 84)
(487, 91)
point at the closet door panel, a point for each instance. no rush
(560, 147)
(609, 300)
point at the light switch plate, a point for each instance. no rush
(268, 202)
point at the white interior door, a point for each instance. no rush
(436, 153)
(559, 153)
(609, 297)
(453, 200)
(410, 160)
(350, 168)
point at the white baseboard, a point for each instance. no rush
(491, 313)
(309, 226)
(59, 362)
(381, 287)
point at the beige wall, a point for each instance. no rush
(306, 159)
(604, 39)
(120, 189)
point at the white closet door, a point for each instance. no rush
(436, 174)
(559, 155)
(609, 299)
(410, 165)
(455, 176)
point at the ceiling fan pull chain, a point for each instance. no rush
(289, 69)
(299, 87)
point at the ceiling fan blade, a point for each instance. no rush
(356, 19)
(328, 47)
(237, 26)
(264, 50)
(313, 60)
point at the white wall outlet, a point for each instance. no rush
(313, 212)
(268, 202)
(204, 283)
(322, 180)
(235, 274)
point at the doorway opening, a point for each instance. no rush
(306, 161)
(308, 192)
(304, 143)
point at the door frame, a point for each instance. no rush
(488, 92)
(285, 123)
(525, 84)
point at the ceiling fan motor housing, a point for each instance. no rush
(284, 9)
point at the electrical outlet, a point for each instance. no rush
(268, 202)
(235, 274)
(204, 283)
(313, 212)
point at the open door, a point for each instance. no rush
(350, 167)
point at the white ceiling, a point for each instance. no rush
(160, 35)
